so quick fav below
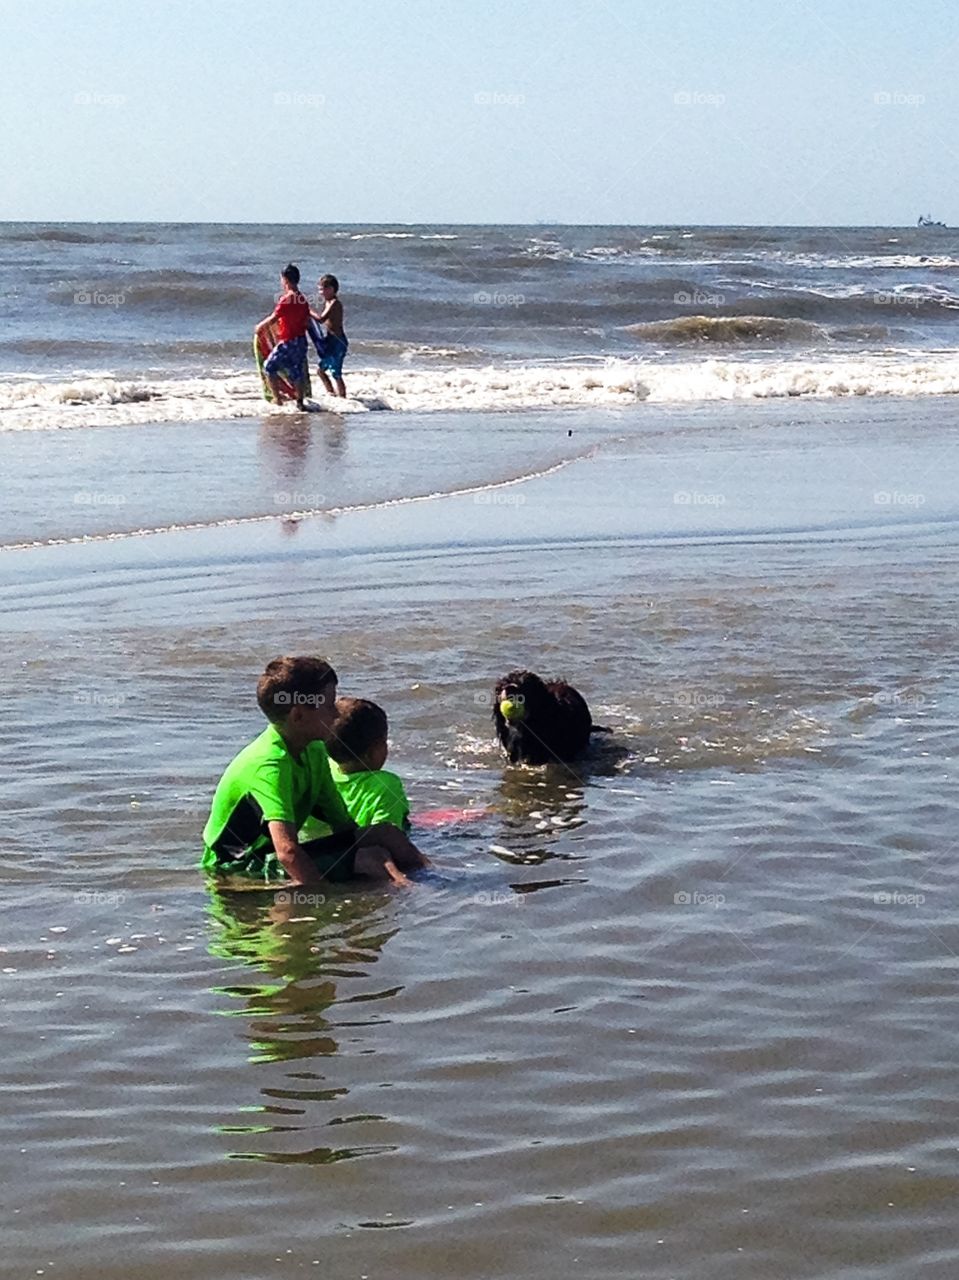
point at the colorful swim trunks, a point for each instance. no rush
(335, 354)
(287, 358)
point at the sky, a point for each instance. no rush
(480, 111)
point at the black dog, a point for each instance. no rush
(539, 722)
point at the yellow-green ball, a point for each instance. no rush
(512, 710)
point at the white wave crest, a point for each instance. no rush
(100, 400)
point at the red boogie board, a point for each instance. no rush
(443, 817)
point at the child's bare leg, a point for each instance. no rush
(376, 863)
(301, 393)
(397, 844)
(341, 388)
(275, 388)
(326, 382)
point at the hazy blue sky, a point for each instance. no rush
(636, 111)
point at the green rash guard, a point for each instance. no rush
(267, 783)
(372, 795)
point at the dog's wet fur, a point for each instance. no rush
(556, 724)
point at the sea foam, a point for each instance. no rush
(101, 400)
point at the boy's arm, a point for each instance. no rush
(291, 857)
(274, 315)
(332, 313)
(401, 850)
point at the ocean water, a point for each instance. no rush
(126, 323)
(684, 1009)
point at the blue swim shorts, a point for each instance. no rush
(287, 358)
(335, 354)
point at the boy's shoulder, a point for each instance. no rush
(377, 779)
(269, 747)
(388, 789)
(388, 780)
(262, 746)
(264, 755)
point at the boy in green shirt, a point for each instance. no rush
(283, 778)
(358, 749)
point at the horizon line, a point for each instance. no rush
(540, 222)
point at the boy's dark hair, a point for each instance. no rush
(331, 281)
(290, 682)
(292, 274)
(358, 727)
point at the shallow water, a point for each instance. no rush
(685, 1010)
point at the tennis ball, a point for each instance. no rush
(512, 710)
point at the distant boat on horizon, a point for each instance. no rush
(927, 220)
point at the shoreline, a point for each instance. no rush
(814, 468)
(660, 484)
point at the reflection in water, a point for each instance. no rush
(297, 948)
(538, 807)
(285, 448)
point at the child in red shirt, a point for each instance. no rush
(292, 316)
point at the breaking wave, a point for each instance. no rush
(30, 404)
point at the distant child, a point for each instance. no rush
(358, 749)
(282, 778)
(336, 344)
(292, 315)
